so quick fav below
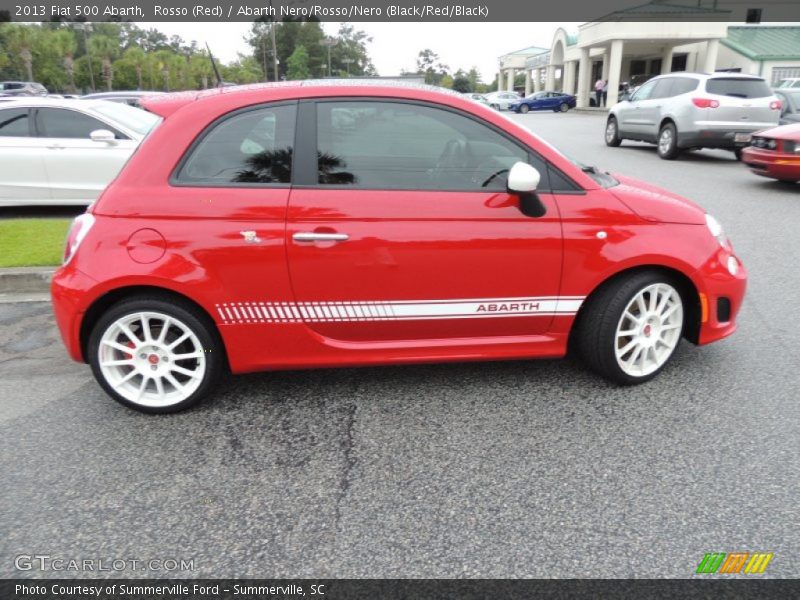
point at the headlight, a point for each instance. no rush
(716, 230)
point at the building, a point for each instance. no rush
(631, 46)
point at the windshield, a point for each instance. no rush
(135, 119)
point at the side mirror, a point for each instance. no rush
(103, 135)
(523, 180)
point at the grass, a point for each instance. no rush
(32, 242)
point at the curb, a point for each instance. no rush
(26, 280)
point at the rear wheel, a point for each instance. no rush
(612, 133)
(738, 153)
(564, 107)
(155, 356)
(495, 106)
(524, 109)
(668, 142)
(631, 328)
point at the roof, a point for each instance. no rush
(529, 51)
(656, 7)
(572, 39)
(765, 42)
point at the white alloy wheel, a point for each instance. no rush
(611, 131)
(649, 330)
(151, 359)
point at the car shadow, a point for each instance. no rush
(35, 212)
(699, 156)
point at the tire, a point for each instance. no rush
(738, 154)
(151, 379)
(564, 107)
(612, 133)
(495, 106)
(524, 109)
(613, 345)
(667, 143)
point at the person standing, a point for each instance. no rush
(598, 91)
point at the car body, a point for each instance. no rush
(555, 101)
(255, 230)
(61, 151)
(789, 82)
(775, 153)
(131, 98)
(790, 105)
(681, 111)
(501, 100)
(477, 98)
(22, 88)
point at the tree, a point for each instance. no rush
(297, 67)
(63, 41)
(429, 65)
(21, 40)
(136, 57)
(461, 82)
(106, 49)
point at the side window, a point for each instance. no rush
(393, 145)
(63, 123)
(644, 92)
(14, 122)
(254, 146)
(683, 85)
(664, 89)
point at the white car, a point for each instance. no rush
(502, 100)
(56, 151)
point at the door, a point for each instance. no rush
(79, 168)
(636, 116)
(403, 229)
(22, 176)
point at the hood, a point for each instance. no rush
(782, 132)
(655, 204)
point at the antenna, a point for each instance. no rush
(214, 65)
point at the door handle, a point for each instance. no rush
(310, 236)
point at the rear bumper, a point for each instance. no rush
(70, 301)
(714, 138)
(722, 295)
(777, 165)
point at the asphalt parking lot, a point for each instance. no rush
(508, 469)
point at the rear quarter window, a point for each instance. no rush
(738, 88)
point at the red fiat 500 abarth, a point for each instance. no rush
(319, 224)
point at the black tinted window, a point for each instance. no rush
(389, 145)
(14, 122)
(738, 88)
(683, 85)
(62, 123)
(251, 147)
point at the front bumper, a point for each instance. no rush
(721, 296)
(777, 165)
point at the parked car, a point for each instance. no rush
(683, 111)
(478, 98)
(501, 100)
(131, 98)
(64, 151)
(555, 101)
(435, 230)
(789, 82)
(790, 105)
(22, 88)
(775, 153)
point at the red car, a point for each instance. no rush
(775, 153)
(326, 224)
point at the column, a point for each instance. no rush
(511, 74)
(710, 62)
(614, 70)
(500, 80)
(527, 82)
(584, 74)
(666, 60)
(537, 80)
(550, 79)
(604, 74)
(569, 77)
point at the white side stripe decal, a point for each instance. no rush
(399, 310)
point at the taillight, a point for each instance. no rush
(705, 102)
(77, 231)
(775, 105)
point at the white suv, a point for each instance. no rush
(682, 111)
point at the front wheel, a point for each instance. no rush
(738, 154)
(631, 328)
(612, 133)
(524, 109)
(668, 142)
(154, 355)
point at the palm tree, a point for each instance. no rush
(138, 57)
(106, 49)
(21, 40)
(65, 45)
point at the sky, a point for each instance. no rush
(395, 45)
